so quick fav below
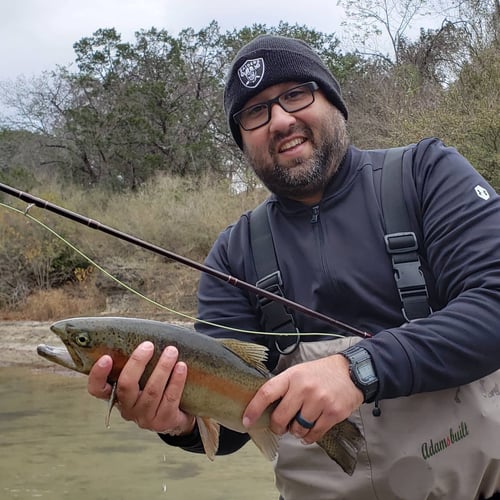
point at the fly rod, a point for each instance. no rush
(93, 224)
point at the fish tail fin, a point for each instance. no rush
(342, 443)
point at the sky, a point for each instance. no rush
(38, 35)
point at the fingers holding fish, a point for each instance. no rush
(128, 390)
(271, 391)
(320, 393)
(169, 418)
(97, 384)
(302, 423)
(141, 405)
(321, 426)
(154, 391)
(156, 406)
(301, 405)
(332, 391)
(293, 389)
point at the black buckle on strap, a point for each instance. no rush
(272, 283)
(401, 242)
(408, 274)
(412, 289)
(278, 319)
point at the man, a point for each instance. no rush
(430, 430)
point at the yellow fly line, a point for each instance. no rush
(144, 297)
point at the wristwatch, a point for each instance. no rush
(362, 371)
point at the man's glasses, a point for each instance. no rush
(291, 100)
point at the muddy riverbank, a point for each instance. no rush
(18, 341)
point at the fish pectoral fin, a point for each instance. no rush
(209, 432)
(111, 402)
(342, 443)
(254, 354)
(266, 440)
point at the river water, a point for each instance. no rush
(54, 445)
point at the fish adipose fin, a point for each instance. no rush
(266, 441)
(209, 432)
(342, 443)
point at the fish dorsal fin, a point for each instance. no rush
(253, 354)
(209, 433)
(266, 441)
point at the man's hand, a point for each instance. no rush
(321, 390)
(156, 407)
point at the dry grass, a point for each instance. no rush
(180, 216)
(47, 305)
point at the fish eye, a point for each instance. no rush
(82, 339)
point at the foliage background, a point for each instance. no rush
(136, 138)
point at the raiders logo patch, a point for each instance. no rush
(251, 72)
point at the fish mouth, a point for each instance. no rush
(66, 356)
(59, 355)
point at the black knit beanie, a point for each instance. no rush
(268, 60)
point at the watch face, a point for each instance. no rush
(365, 371)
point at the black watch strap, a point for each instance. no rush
(362, 371)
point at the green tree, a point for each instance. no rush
(152, 103)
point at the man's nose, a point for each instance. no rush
(280, 118)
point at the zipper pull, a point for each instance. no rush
(315, 214)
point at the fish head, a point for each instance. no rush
(85, 341)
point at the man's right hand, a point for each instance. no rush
(156, 407)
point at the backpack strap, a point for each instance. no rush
(401, 243)
(275, 317)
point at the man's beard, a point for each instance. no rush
(307, 177)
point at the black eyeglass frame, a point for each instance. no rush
(311, 86)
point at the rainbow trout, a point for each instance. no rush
(223, 376)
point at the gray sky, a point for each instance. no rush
(37, 35)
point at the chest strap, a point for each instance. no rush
(275, 317)
(400, 242)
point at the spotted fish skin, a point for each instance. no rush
(223, 376)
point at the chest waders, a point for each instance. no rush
(428, 446)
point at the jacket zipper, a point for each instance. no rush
(315, 214)
(315, 220)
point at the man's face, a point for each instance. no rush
(296, 154)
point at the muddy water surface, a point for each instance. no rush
(54, 445)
